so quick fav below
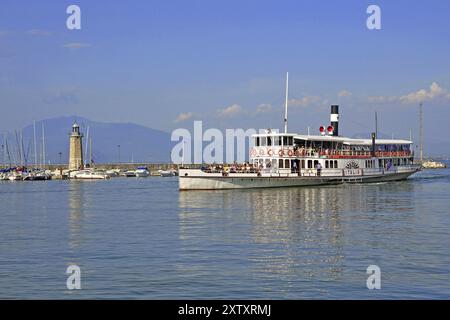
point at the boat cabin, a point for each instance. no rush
(285, 152)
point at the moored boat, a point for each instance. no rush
(431, 164)
(129, 173)
(90, 175)
(142, 172)
(15, 176)
(168, 173)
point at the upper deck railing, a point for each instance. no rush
(331, 154)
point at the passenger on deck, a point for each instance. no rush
(319, 169)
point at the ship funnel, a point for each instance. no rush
(334, 119)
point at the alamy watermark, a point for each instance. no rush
(73, 22)
(74, 279)
(373, 22)
(212, 145)
(374, 280)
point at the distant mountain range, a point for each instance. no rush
(137, 143)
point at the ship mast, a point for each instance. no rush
(286, 104)
(376, 124)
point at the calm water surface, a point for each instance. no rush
(142, 239)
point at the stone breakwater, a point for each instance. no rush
(112, 166)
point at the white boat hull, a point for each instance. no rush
(192, 179)
(142, 174)
(167, 174)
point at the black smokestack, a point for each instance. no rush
(334, 119)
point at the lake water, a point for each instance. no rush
(142, 239)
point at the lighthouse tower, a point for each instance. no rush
(76, 148)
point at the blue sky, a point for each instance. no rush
(164, 64)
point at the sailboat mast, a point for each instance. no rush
(90, 152)
(86, 148)
(9, 154)
(421, 131)
(3, 152)
(34, 141)
(43, 145)
(286, 104)
(24, 156)
(19, 153)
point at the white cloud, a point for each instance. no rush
(76, 45)
(38, 32)
(344, 94)
(433, 93)
(263, 108)
(183, 117)
(230, 111)
(306, 101)
(382, 99)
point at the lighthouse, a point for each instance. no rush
(76, 148)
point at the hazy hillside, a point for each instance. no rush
(138, 142)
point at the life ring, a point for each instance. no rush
(290, 153)
(254, 153)
(261, 152)
(281, 152)
(270, 152)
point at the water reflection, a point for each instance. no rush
(295, 233)
(77, 203)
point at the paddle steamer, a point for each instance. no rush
(292, 160)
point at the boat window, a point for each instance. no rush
(263, 141)
(280, 163)
(309, 164)
(276, 141)
(336, 164)
(287, 164)
(316, 162)
(257, 141)
(269, 141)
(326, 164)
